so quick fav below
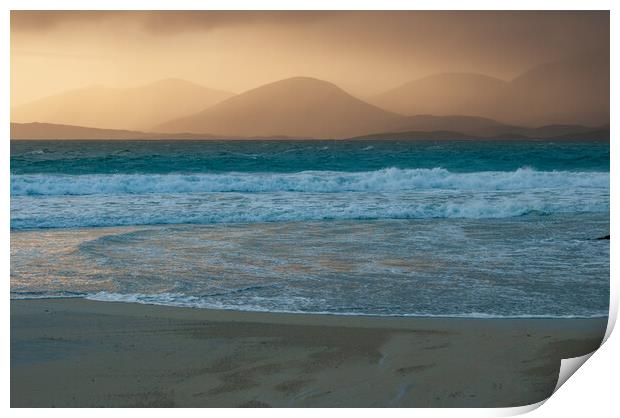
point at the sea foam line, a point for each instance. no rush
(176, 300)
(187, 301)
(385, 180)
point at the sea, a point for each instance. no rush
(392, 228)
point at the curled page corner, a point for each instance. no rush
(568, 367)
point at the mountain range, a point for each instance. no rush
(571, 91)
(137, 108)
(559, 99)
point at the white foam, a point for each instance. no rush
(386, 180)
(187, 301)
(118, 210)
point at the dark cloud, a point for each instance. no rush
(43, 20)
(161, 21)
(517, 35)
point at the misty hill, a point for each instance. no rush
(297, 107)
(570, 91)
(136, 108)
(37, 130)
(574, 90)
(444, 94)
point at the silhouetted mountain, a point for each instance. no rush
(571, 91)
(549, 131)
(552, 132)
(418, 135)
(48, 131)
(297, 107)
(468, 125)
(136, 108)
(600, 134)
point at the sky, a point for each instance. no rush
(363, 52)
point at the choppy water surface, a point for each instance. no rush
(389, 228)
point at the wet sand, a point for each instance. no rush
(75, 352)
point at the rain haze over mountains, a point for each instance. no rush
(309, 74)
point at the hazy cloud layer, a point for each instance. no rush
(159, 22)
(363, 51)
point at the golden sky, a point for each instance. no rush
(363, 52)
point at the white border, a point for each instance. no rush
(591, 392)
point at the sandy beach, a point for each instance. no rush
(80, 353)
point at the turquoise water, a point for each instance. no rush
(162, 157)
(452, 228)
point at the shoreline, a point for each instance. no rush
(79, 352)
(480, 316)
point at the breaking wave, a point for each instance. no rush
(98, 211)
(385, 180)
